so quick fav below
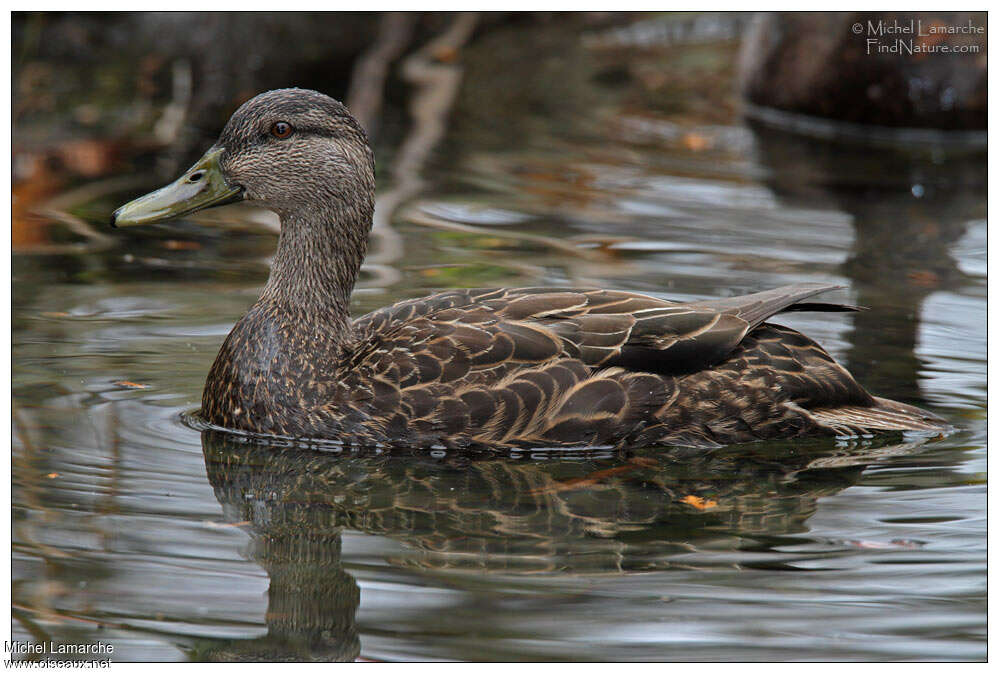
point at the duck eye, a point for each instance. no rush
(281, 129)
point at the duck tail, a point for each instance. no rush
(758, 307)
(884, 415)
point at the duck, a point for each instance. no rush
(484, 368)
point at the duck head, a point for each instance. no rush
(296, 152)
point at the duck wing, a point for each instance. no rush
(648, 334)
(539, 364)
(465, 333)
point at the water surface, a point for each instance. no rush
(132, 528)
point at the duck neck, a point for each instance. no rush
(316, 265)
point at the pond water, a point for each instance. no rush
(131, 527)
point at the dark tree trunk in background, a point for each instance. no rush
(825, 65)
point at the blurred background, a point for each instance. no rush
(684, 155)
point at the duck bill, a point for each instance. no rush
(202, 186)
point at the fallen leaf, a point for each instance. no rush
(446, 54)
(695, 142)
(175, 244)
(924, 278)
(129, 384)
(52, 476)
(698, 502)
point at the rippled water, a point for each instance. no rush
(131, 528)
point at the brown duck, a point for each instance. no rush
(482, 367)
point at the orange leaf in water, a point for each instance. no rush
(175, 244)
(446, 54)
(924, 278)
(52, 476)
(695, 142)
(129, 384)
(698, 502)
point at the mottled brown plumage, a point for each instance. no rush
(493, 367)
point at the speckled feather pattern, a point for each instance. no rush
(538, 367)
(493, 367)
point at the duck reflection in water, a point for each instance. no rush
(909, 204)
(558, 512)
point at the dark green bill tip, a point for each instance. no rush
(202, 186)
